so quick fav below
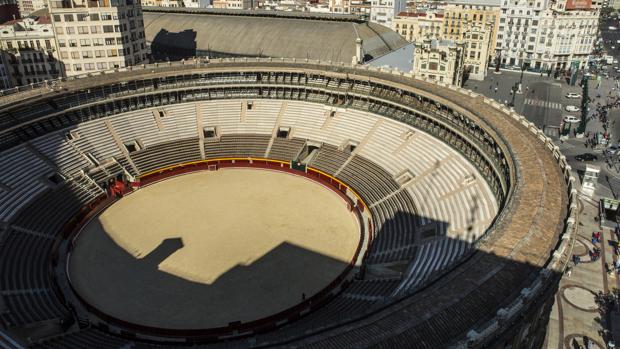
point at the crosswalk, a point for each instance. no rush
(543, 104)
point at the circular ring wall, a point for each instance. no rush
(468, 200)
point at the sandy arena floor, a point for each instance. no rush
(209, 248)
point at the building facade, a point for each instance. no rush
(29, 51)
(233, 4)
(26, 7)
(518, 30)
(565, 39)
(8, 10)
(419, 25)
(384, 11)
(462, 16)
(439, 60)
(98, 35)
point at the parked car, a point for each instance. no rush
(612, 149)
(571, 119)
(573, 95)
(572, 108)
(586, 157)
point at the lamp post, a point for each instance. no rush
(517, 85)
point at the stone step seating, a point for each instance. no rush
(371, 289)
(138, 125)
(396, 147)
(285, 149)
(94, 138)
(166, 154)
(111, 170)
(237, 145)
(395, 230)
(25, 285)
(347, 125)
(225, 115)
(329, 159)
(87, 338)
(305, 119)
(21, 178)
(370, 180)
(432, 257)
(52, 209)
(261, 118)
(31, 306)
(179, 122)
(57, 149)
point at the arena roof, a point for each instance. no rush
(256, 34)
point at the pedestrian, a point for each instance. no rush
(569, 271)
(496, 90)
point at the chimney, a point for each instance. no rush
(359, 53)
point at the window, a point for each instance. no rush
(108, 29)
(109, 41)
(87, 54)
(113, 53)
(64, 54)
(84, 42)
(102, 65)
(432, 65)
(94, 29)
(48, 44)
(57, 18)
(99, 53)
(82, 30)
(94, 16)
(70, 30)
(106, 16)
(77, 67)
(72, 43)
(59, 30)
(98, 42)
(89, 66)
(69, 18)
(75, 55)
(62, 43)
(81, 17)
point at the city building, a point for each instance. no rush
(361, 7)
(439, 60)
(5, 77)
(197, 3)
(29, 51)
(518, 30)
(340, 6)
(234, 4)
(384, 11)
(419, 25)
(98, 35)
(26, 7)
(164, 3)
(477, 44)
(462, 16)
(8, 10)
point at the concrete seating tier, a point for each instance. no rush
(370, 180)
(285, 149)
(329, 159)
(166, 154)
(237, 145)
(88, 338)
(23, 177)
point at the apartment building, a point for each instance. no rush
(234, 4)
(384, 11)
(98, 34)
(439, 60)
(163, 3)
(419, 25)
(29, 52)
(565, 39)
(474, 35)
(462, 16)
(26, 7)
(518, 30)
